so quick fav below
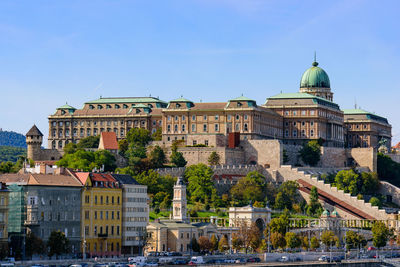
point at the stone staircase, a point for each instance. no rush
(330, 194)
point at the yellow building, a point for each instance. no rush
(3, 217)
(101, 214)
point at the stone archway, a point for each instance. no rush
(260, 224)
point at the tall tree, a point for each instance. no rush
(195, 245)
(34, 245)
(201, 185)
(292, 240)
(223, 244)
(214, 242)
(314, 242)
(205, 243)
(251, 188)
(58, 243)
(314, 208)
(329, 239)
(157, 157)
(310, 154)
(278, 240)
(214, 158)
(287, 195)
(380, 234)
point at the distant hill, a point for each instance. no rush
(12, 139)
(11, 153)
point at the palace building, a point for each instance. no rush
(292, 118)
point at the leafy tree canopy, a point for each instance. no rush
(310, 154)
(200, 182)
(380, 234)
(88, 160)
(214, 158)
(58, 244)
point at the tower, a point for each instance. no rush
(315, 81)
(34, 139)
(179, 202)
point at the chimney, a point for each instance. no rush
(42, 169)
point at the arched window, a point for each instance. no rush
(60, 144)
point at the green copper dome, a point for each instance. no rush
(315, 77)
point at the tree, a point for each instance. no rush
(278, 240)
(287, 195)
(157, 157)
(292, 240)
(314, 242)
(354, 240)
(249, 235)
(194, 245)
(305, 243)
(155, 184)
(201, 185)
(375, 201)
(34, 245)
(349, 181)
(329, 239)
(58, 244)
(138, 137)
(314, 208)
(279, 225)
(214, 158)
(214, 242)
(380, 234)
(388, 170)
(157, 135)
(177, 159)
(310, 154)
(250, 188)
(205, 243)
(370, 183)
(89, 142)
(88, 160)
(123, 146)
(223, 244)
(70, 148)
(237, 242)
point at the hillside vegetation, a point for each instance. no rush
(12, 139)
(10, 153)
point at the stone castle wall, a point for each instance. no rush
(267, 153)
(196, 155)
(364, 157)
(394, 157)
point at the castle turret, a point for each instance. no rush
(34, 139)
(179, 202)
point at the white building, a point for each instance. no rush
(250, 214)
(135, 214)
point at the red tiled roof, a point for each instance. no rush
(397, 146)
(108, 140)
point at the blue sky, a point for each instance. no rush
(52, 52)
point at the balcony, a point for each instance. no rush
(102, 235)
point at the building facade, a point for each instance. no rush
(4, 195)
(118, 115)
(293, 118)
(135, 214)
(366, 129)
(101, 214)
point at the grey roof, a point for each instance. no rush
(34, 131)
(125, 179)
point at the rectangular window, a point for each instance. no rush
(216, 117)
(206, 142)
(303, 112)
(294, 133)
(194, 142)
(86, 214)
(183, 117)
(193, 127)
(312, 112)
(216, 127)
(183, 127)
(204, 127)
(205, 117)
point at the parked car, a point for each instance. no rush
(283, 259)
(322, 258)
(196, 260)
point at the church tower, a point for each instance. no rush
(34, 139)
(179, 202)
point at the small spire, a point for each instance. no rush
(315, 63)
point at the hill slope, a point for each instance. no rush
(10, 153)
(12, 139)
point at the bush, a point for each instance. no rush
(375, 201)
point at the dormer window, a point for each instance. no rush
(99, 106)
(62, 112)
(125, 106)
(178, 105)
(108, 106)
(117, 106)
(150, 105)
(133, 105)
(137, 110)
(239, 104)
(91, 107)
